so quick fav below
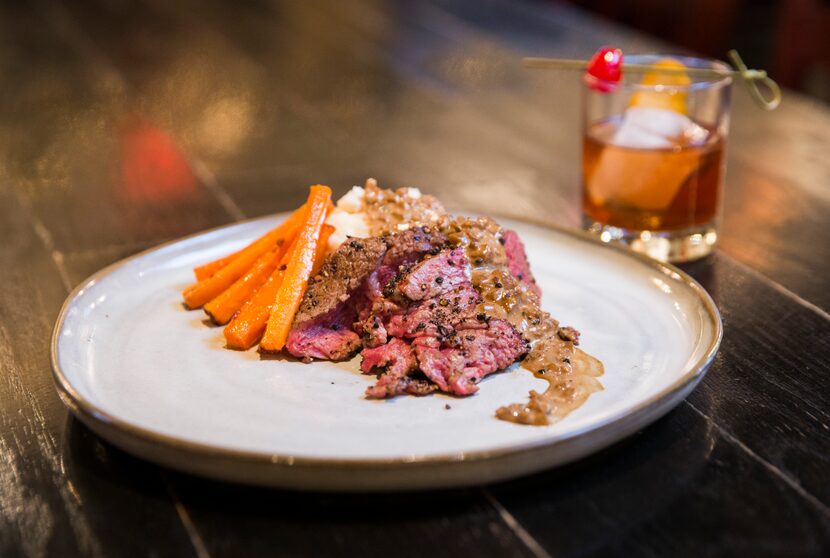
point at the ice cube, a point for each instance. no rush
(650, 128)
(650, 176)
(631, 135)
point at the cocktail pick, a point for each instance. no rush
(755, 80)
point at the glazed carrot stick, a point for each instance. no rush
(222, 308)
(208, 269)
(298, 271)
(248, 325)
(207, 289)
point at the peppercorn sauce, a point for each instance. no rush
(571, 374)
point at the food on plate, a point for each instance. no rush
(222, 308)
(196, 296)
(208, 269)
(297, 272)
(431, 302)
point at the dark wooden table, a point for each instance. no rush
(126, 125)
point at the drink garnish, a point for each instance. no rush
(605, 65)
(672, 95)
(756, 80)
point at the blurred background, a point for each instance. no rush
(788, 38)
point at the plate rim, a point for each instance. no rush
(103, 422)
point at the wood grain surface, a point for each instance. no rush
(123, 125)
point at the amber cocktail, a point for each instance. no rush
(653, 158)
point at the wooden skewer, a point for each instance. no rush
(751, 78)
(570, 64)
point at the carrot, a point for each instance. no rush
(248, 324)
(298, 271)
(207, 289)
(222, 308)
(206, 270)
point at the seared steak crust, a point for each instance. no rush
(345, 289)
(340, 276)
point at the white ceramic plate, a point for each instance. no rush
(154, 379)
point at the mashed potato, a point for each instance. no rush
(350, 219)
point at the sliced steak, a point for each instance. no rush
(517, 260)
(405, 249)
(340, 276)
(434, 298)
(396, 363)
(410, 246)
(407, 300)
(458, 364)
(433, 305)
(326, 337)
(345, 288)
(433, 277)
(323, 326)
(440, 290)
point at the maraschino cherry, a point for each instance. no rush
(606, 66)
